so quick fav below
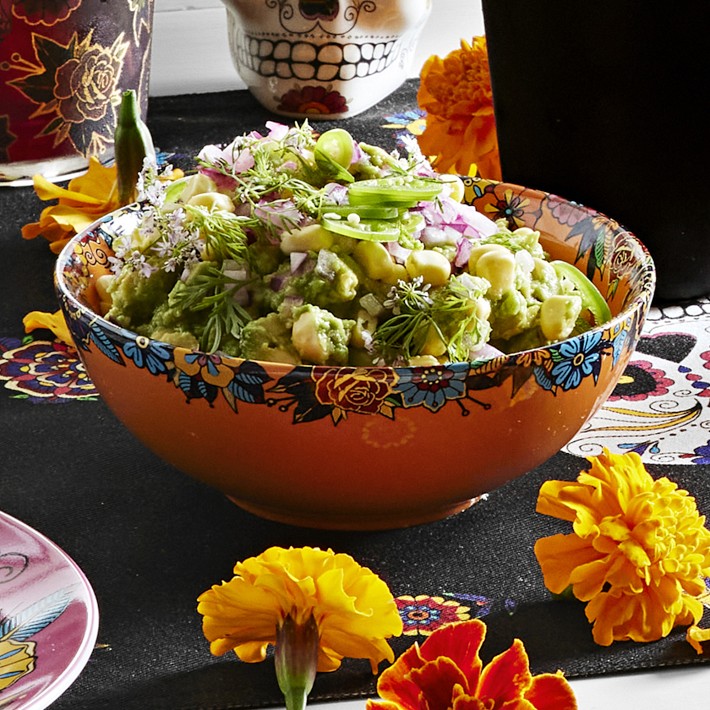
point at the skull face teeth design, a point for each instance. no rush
(331, 47)
(307, 61)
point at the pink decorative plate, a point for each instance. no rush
(48, 618)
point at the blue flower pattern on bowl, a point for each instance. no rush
(562, 366)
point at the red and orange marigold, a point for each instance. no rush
(446, 672)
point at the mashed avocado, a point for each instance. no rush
(279, 249)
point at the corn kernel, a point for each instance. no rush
(498, 268)
(433, 267)
(212, 201)
(558, 315)
(312, 237)
(433, 345)
(453, 185)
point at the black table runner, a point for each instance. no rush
(150, 539)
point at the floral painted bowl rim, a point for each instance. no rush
(634, 309)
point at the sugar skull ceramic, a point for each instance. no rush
(323, 58)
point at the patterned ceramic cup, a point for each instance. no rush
(63, 67)
(323, 59)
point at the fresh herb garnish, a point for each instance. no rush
(420, 314)
(211, 289)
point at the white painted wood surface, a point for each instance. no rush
(191, 54)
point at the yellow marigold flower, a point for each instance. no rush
(86, 199)
(639, 553)
(455, 93)
(51, 321)
(353, 609)
(695, 636)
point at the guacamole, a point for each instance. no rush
(293, 247)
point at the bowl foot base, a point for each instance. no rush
(354, 521)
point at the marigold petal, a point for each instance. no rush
(634, 617)
(559, 555)
(337, 644)
(373, 704)
(608, 613)
(549, 503)
(51, 321)
(395, 683)
(507, 677)
(551, 691)
(248, 652)
(73, 218)
(437, 680)
(353, 608)
(236, 613)
(588, 579)
(31, 230)
(47, 228)
(464, 701)
(695, 636)
(47, 190)
(455, 94)
(461, 642)
(99, 181)
(647, 549)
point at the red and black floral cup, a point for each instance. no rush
(63, 67)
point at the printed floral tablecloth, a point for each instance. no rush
(150, 539)
(660, 408)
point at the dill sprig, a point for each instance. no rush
(224, 233)
(209, 288)
(450, 311)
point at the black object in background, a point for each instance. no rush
(601, 103)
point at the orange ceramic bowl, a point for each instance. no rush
(368, 447)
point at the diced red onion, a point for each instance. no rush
(277, 281)
(283, 214)
(432, 236)
(397, 251)
(336, 193)
(288, 304)
(358, 153)
(242, 296)
(277, 131)
(484, 226)
(485, 352)
(463, 252)
(297, 258)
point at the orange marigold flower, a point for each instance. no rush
(86, 199)
(639, 553)
(447, 672)
(455, 93)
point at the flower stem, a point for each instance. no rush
(296, 658)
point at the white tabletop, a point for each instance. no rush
(663, 689)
